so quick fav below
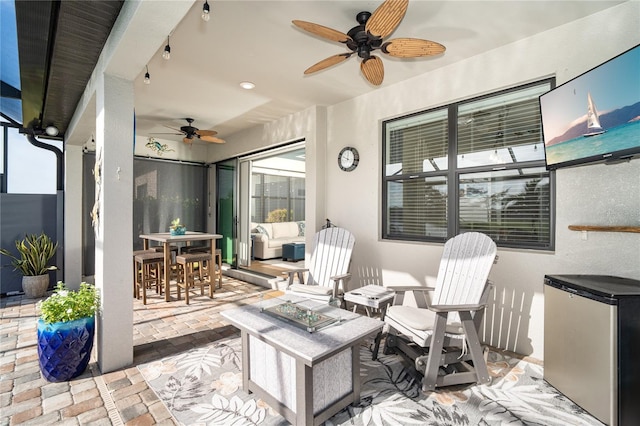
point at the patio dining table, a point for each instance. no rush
(167, 239)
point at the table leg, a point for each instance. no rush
(245, 360)
(355, 373)
(145, 244)
(167, 272)
(378, 338)
(304, 394)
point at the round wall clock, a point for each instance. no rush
(348, 159)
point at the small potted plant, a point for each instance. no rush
(65, 331)
(34, 254)
(177, 228)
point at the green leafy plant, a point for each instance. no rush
(69, 305)
(34, 254)
(175, 224)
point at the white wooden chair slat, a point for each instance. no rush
(462, 280)
(331, 257)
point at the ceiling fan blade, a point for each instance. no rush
(386, 17)
(211, 139)
(206, 132)
(167, 134)
(173, 128)
(326, 63)
(373, 70)
(412, 48)
(322, 31)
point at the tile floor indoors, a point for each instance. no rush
(119, 397)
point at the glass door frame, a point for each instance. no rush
(226, 218)
(245, 182)
(236, 248)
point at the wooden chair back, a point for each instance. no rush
(331, 256)
(464, 269)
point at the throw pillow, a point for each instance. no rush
(301, 228)
(260, 230)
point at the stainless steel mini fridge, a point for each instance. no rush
(592, 344)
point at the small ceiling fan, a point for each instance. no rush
(369, 36)
(190, 133)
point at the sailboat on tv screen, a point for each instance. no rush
(593, 120)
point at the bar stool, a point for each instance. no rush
(217, 273)
(195, 265)
(218, 264)
(175, 271)
(137, 271)
(150, 267)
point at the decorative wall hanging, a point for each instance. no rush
(157, 147)
(95, 211)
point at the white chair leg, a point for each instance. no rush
(475, 349)
(435, 352)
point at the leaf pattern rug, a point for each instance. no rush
(204, 387)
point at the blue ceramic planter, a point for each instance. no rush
(178, 231)
(64, 348)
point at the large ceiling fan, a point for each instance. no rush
(369, 36)
(190, 133)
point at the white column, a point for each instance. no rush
(73, 216)
(114, 241)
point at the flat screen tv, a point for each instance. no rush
(594, 117)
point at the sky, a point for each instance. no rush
(31, 170)
(612, 85)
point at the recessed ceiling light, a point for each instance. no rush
(247, 85)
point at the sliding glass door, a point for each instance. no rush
(264, 187)
(226, 216)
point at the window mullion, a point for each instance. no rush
(452, 177)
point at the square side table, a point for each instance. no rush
(293, 251)
(371, 296)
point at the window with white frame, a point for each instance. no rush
(475, 165)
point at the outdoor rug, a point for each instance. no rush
(204, 387)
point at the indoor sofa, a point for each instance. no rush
(268, 238)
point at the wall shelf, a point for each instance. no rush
(596, 228)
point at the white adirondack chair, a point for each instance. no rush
(446, 329)
(327, 272)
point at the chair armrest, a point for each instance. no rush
(336, 282)
(455, 308)
(421, 302)
(294, 271)
(404, 288)
(341, 277)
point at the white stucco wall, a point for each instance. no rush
(596, 194)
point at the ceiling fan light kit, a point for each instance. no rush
(206, 11)
(166, 54)
(368, 37)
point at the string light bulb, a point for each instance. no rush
(167, 51)
(147, 77)
(206, 11)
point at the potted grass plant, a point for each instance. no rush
(65, 331)
(177, 228)
(34, 254)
